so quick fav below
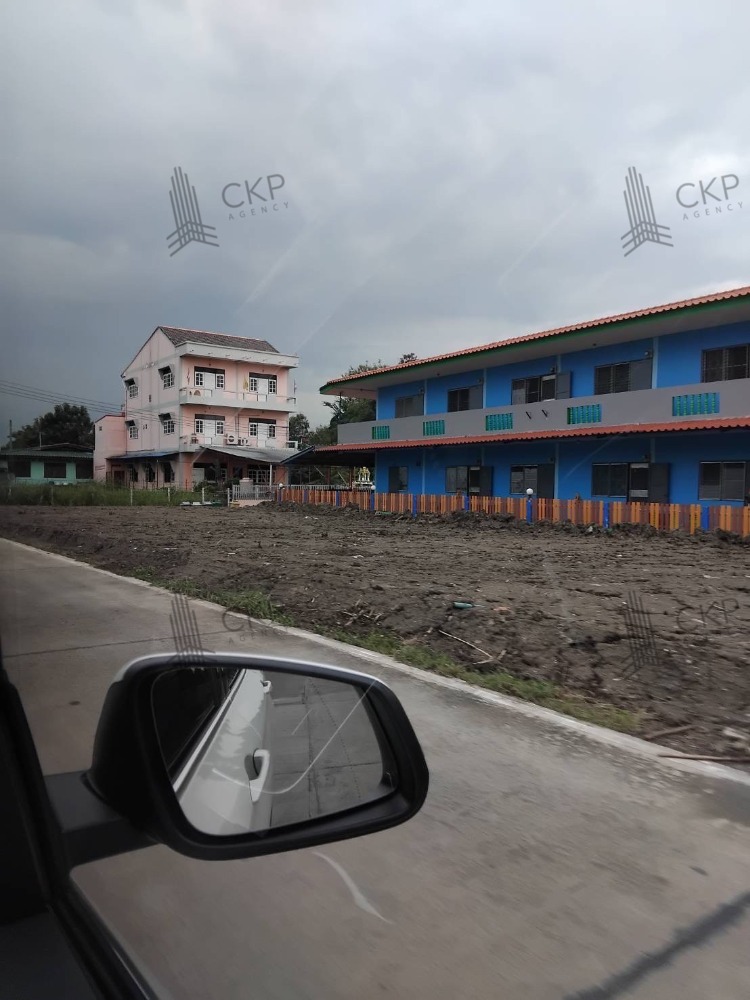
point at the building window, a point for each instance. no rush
(272, 430)
(476, 480)
(133, 474)
(199, 378)
(167, 377)
(150, 473)
(167, 472)
(624, 377)
(220, 381)
(132, 390)
(398, 478)
(55, 470)
(380, 433)
(410, 406)
(609, 479)
(219, 427)
(723, 481)
(534, 389)
(133, 432)
(253, 384)
(199, 426)
(252, 429)
(84, 469)
(469, 398)
(695, 403)
(523, 477)
(168, 426)
(272, 386)
(431, 428)
(21, 467)
(724, 363)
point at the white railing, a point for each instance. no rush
(253, 491)
(194, 441)
(228, 397)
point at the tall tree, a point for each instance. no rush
(299, 429)
(352, 409)
(66, 424)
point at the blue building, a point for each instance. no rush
(652, 406)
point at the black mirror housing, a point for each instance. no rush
(128, 772)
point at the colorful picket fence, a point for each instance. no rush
(606, 513)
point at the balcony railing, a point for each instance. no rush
(227, 397)
(639, 406)
(192, 442)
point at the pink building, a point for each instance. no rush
(199, 406)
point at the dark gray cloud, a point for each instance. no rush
(453, 176)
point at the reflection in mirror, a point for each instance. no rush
(250, 750)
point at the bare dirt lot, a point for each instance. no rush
(636, 630)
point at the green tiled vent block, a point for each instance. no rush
(432, 427)
(498, 422)
(591, 414)
(381, 433)
(695, 404)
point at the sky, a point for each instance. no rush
(452, 175)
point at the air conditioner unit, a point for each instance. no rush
(245, 441)
(231, 439)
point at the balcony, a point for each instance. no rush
(226, 398)
(196, 442)
(700, 401)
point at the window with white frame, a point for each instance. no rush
(220, 380)
(199, 426)
(199, 376)
(133, 432)
(168, 426)
(132, 389)
(167, 379)
(265, 385)
(252, 429)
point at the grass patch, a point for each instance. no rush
(544, 693)
(252, 603)
(540, 692)
(92, 495)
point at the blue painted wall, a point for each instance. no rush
(437, 389)
(499, 380)
(385, 407)
(583, 363)
(574, 459)
(680, 354)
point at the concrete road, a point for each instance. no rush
(547, 863)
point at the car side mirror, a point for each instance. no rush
(223, 756)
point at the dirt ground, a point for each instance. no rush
(656, 625)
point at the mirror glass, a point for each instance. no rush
(253, 750)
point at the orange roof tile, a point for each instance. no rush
(717, 423)
(734, 293)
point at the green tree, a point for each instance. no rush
(351, 409)
(299, 429)
(407, 357)
(66, 424)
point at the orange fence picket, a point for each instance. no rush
(662, 516)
